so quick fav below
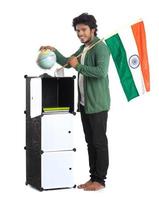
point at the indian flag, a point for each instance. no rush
(129, 52)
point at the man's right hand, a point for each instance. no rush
(47, 47)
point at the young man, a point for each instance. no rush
(93, 96)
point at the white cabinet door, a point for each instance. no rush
(57, 170)
(56, 132)
(35, 97)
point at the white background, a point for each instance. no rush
(133, 128)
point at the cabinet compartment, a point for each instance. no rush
(57, 132)
(58, 92)
(57, 170)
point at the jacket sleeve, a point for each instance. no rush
(62, 60)
(102, 56)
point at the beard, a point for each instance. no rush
(87, 41)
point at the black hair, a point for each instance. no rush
(86, 19)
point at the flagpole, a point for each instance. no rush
(86, 50)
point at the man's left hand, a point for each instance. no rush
(73, 61)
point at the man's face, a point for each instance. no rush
(84, 32)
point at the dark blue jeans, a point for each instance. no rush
(94, 127)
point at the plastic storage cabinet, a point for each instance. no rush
(49, 142)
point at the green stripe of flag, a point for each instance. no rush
(120, 59)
